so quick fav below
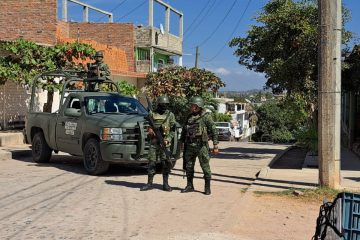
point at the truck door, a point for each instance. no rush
(69, 126)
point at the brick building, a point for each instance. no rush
(129, 51)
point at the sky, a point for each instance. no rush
(209, 24)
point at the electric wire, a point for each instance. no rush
(196, 18)
(218, 26)
(132, 10)
(201, 20)
(112, 10)
(231, 35)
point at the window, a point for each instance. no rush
(113, 104)
(143, 54)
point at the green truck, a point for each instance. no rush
(93, 121)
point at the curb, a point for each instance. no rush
(7, 139)
(4, 155)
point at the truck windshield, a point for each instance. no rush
(113, 104)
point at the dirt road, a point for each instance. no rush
(59, 201)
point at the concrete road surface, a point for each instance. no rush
(59, 200)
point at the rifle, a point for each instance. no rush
(184, 161)
(158, 135)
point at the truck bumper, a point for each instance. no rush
(118, 152)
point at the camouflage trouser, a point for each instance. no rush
(200, 150)
(156, 155)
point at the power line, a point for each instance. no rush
(202, 19)
(132, 10)
(112, 10)
(231, 35)
(193, 22)
(220, 23)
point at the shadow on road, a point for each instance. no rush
(135, 185)
(74, 164)
(251, 150)
(357, 179)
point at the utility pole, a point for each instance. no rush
(196, 57)
(329, 92)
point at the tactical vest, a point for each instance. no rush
(196, 128)
(161, 122)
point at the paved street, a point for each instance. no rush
(59, 201)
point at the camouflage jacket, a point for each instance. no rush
(103, 68)
(205, 126)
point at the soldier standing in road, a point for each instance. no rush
(164, 120)
(98, 68)
(195, 135)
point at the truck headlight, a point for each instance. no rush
(111, 134)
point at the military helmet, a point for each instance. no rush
(210, 107)
(99, 54)
(197, 100)
(163, 99)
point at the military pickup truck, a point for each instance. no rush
(94, 122)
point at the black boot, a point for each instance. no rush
(149, 185)
(189, 186)
(166, 186)
(207, 187)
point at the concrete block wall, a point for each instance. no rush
(14, 100)
(33, 20)
(143, 37)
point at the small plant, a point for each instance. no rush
(282, 136)
(317, 194)
(307, 138)
(127, 89)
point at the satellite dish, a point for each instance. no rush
(161, 29)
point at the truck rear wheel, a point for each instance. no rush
(93, 162)
(41, 151)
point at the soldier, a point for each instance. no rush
(98, 68)
(199, 126)
(164, 120)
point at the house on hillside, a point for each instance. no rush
(240, 114)
(130, 51)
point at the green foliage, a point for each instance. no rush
(284, 46)
(126, 88)
(22, 60)
(307, 138)
(282, 136)
(221, 117)
(280, 119)
(180, 83)
(351, 71)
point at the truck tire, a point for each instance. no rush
(93, 162)
(41, 152)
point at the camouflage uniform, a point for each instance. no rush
(104, 70)
(165, 121)
(195, 135)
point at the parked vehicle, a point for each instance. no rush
(238, 132)
(101, 126)
(225, 131)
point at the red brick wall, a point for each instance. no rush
(33, 20)
(113, 34)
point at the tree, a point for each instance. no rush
(284, 46)
(22, 60)
(280, 120)
(180, 83)
(351, 71)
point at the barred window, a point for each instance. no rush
(143, 54)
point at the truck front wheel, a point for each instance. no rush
(41, 151)
(93, 162)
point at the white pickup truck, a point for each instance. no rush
(226, 133)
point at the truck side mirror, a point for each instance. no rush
(72, 112)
